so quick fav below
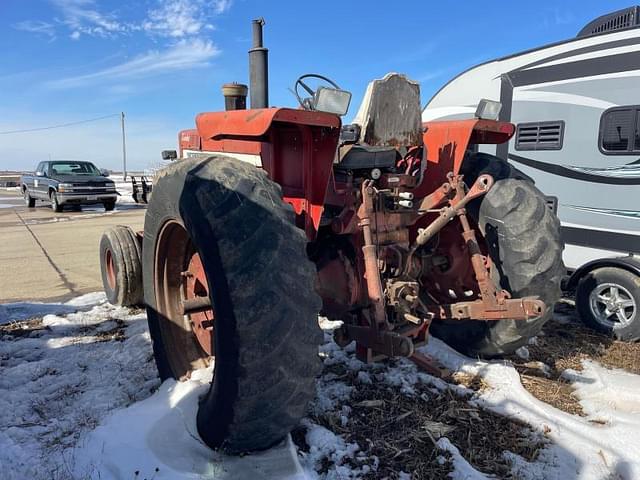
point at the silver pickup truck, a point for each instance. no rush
(69, 182)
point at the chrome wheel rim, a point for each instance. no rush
(612, 305)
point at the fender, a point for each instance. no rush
(629, 263)
(296, 148)
(447, 141)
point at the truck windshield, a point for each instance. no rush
(73, 168)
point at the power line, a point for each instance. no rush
(61, 125)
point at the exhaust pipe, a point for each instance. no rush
(258, 69)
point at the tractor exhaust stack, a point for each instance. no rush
(258, 69)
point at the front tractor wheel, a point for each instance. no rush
(228, 285)
(522, 237)
(120, 266)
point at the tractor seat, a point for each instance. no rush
(391, 114)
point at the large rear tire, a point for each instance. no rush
(524, 245)
(218, 229)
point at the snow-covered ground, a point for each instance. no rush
(79, 398)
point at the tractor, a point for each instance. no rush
(272, 216)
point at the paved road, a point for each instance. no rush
(53, 256)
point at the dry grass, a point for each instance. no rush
(22, 328)
(402, 430)
(564, 343)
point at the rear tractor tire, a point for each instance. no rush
(522, 236)
(227, 282)
(121, 266)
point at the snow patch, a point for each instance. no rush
(581, 447)
(20, 311)
(158, 438)
(462, 469)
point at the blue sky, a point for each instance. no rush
(163, 61)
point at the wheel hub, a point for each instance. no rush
(197, 286)
(612, 305)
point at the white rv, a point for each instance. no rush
(576, 107)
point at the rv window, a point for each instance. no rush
(620, 131)
(616, 131)
(540, 135)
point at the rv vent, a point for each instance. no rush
(540, 135)
(626, 18)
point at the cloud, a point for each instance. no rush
(182, 18)
(433, 74)
(38, 27)
(221, 6)
(175, 18)
(166, 18)
(82, 17)
(181, 56)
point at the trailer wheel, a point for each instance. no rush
(227, 281)
(608, 300)
(524, 245)
(121, 266)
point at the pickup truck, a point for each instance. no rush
(69, 182)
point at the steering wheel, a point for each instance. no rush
(306, 102)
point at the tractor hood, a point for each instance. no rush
(249, 124)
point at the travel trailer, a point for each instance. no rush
(576, 107)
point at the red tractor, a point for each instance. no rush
(395, 227)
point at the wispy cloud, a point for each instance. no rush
(176, 18)
(38, 27)
(432, 74)
(221, 6)
(183, 55)
(165, 18)
(83, 18)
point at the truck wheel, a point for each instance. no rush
(54, 202)
(121, 266)
(608, 300)
(523, 241)
(28, 199)
(108, 206)
(227, 281)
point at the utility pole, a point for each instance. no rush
(124, 147)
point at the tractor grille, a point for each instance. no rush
(539, 135)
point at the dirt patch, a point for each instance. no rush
(564, 343)
(402, 430)
(22, 328)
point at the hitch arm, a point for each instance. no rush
(479, 188)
